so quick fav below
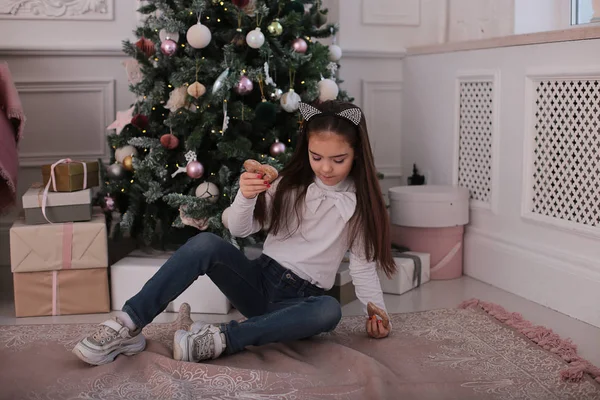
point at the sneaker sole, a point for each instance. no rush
(84, 354)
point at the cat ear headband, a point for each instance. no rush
(353, 114)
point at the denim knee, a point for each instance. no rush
(329, 313)
(204, 241)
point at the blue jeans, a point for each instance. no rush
(279, 305)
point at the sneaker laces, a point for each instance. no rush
(104, 333)
(204, 345)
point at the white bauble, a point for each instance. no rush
(328, 90)
(255, 38)
(225, 217)
(198, 36)
(290, 101)
(125, 151)
(335, 53)
(164, 35)
(208, 191)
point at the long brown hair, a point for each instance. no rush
(370, 220)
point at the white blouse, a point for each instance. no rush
(314, 252)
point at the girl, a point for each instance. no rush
(326, 201)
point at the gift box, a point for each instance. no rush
(59, 207)
(65, 292)
(48, 247)
(413, 270)
(70, 176)
(130, 274)
(343, 289)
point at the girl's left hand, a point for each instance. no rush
(375, 328)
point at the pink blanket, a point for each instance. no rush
(12, 122)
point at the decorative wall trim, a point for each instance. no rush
(484, 77)
(570, 281)
(370, 90)
(104, 87)
(391, 12)
(575, 182)
(88, 10)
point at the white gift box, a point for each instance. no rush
(129, 275)
(405, 279)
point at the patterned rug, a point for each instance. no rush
(463, 353)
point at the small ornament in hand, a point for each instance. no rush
(377, 328)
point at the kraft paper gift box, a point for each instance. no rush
(66, 292)
(49, 247)
(59, 207)
(413, 270)
(70, 176)
(343, 289)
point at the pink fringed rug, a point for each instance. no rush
(461, 354)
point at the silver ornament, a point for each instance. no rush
(276, 94)
(220, 80)
(116, 172)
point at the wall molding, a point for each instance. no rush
(104, 87)
(404, 13)
(492, 76)
(532, 77)
(53, 10)
(570, 281)
(369, 89)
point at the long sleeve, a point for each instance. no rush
(241, 220)
(365, 278)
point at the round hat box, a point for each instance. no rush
(430, 219)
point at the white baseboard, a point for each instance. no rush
(552, 278)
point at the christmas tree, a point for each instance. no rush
(217, 83)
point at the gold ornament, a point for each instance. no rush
(128, 163)
(196, 90)
(275, 28)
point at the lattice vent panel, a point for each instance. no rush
(475, 138)
(566, 151)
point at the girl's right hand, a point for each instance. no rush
(252, 184)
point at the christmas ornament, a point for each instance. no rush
(146, 46)
(266, 113)
(268, 79)
(201, 224)
(328, 90)
(116, 172)
(125, 151)
(168, 47)
(164, 35)
(190, 157)
(134, 71)
(335, 53)
(109, 204)
(277, 148)
(169, 141)
(196, 90)
(195, 170)
(225, 217)
(177, 99)
(255, 38)
(244, 86)
(239, 39)
(123, 119)
(198, 36)
(290, 101)
(140, 121)
(299, 45)
(275, 28)
(276, 94)
(240, 3)
(225, 118)
(208, 191)
(220, 80)
(128, 163)
(294, 6)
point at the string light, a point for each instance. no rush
(153, 108)
(207, 17)
(302, 82)
(218, 19)
(156, 59)
(182, 44)
(191, 13)
(225, 9)
(144, 131)
(131, 181)
(123, 190)
(170, 86)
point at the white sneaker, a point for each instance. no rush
(202, 342)
(108, 341)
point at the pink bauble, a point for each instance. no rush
(244, 86)
(109, 203)
(168, 47)
(299, 45)
(194, 170)
(277, 148)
